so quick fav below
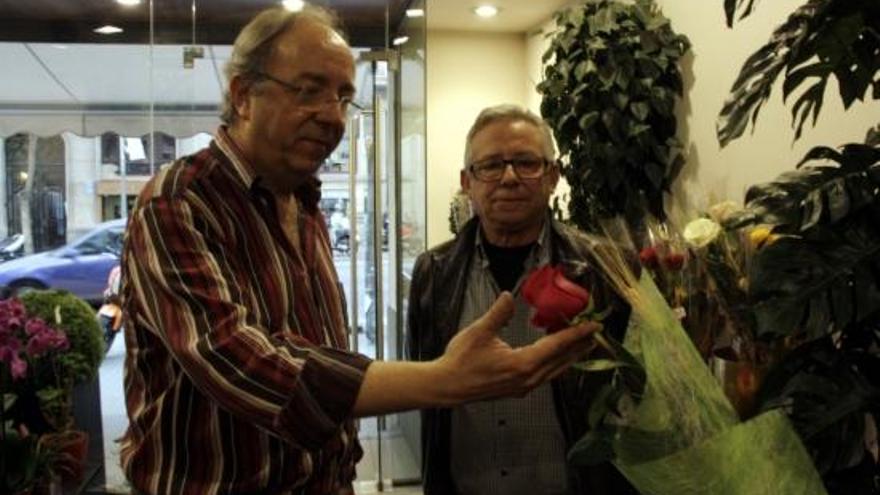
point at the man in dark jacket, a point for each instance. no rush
(519, 445)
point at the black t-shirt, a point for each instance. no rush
(507, 263)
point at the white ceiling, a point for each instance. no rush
(514, 16)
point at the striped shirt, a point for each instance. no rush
(236, 375)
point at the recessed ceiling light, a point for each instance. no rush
(415, 12)
(59, 47)
(400, 40)
(128, 3)
(108, 29)
(293, 5)
(486, 11)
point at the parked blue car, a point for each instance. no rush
(80, 267)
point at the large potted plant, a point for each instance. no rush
(45, 402)
(819, 283)
(609, 96)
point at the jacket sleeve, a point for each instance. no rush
(416, 332)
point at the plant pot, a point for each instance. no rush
(740, 381)
(72, 448)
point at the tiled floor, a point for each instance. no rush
(397, 457)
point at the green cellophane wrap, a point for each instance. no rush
(684, 437)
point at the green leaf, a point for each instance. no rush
(795, 78)
(640, 110)
(588, 120)
(583, 69)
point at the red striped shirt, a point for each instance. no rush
(236, 376)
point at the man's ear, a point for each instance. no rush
(239, 94)
(464, 179)
(553, 174)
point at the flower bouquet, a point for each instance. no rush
(664, 420)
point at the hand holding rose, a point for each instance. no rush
(481, 365)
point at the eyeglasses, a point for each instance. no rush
(525, 167)
(313, 96)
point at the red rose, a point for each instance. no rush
(556, 299)
(648, 257)
(673, 261)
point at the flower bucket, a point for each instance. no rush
(740, 381)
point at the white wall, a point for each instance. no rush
(466, 72)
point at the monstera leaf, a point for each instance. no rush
(732, 6)
(823, 38)
(828, 389)
(823, 274)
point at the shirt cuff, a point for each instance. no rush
(323, 398)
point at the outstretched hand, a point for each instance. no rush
(482, 366)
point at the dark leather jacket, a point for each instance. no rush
(435, 302)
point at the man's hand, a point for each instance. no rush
(479, 365)
(476, 365)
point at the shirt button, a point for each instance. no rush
(502, 422)
(503, 472)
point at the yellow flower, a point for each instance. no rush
(761, 236)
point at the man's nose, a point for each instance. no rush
(331, 113)
(509, 176)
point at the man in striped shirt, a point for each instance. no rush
(238, 380)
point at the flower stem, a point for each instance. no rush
(600, 339)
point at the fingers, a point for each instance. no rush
(552, 355)
(497, 316)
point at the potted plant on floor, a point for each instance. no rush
(820, 282)
(44, 403)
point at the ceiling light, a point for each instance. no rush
(293, 5)
(486, 11)
(108, 29)
(400, 40)
(128, 3)
(415, 12)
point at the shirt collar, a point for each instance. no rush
(309, 193)
(242, 168)
(540, 255)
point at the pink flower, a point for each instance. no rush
(46, 340)
(18, 367)
(556, 299)
(9, 353)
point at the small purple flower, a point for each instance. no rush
(46, 340)
(18, 367)
(9, 353)
(35, 326)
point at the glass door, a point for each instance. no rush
(368, 264)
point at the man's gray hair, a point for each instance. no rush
(254, 43)
(508, 112)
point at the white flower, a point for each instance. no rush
(723, 210)
(701, 232)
